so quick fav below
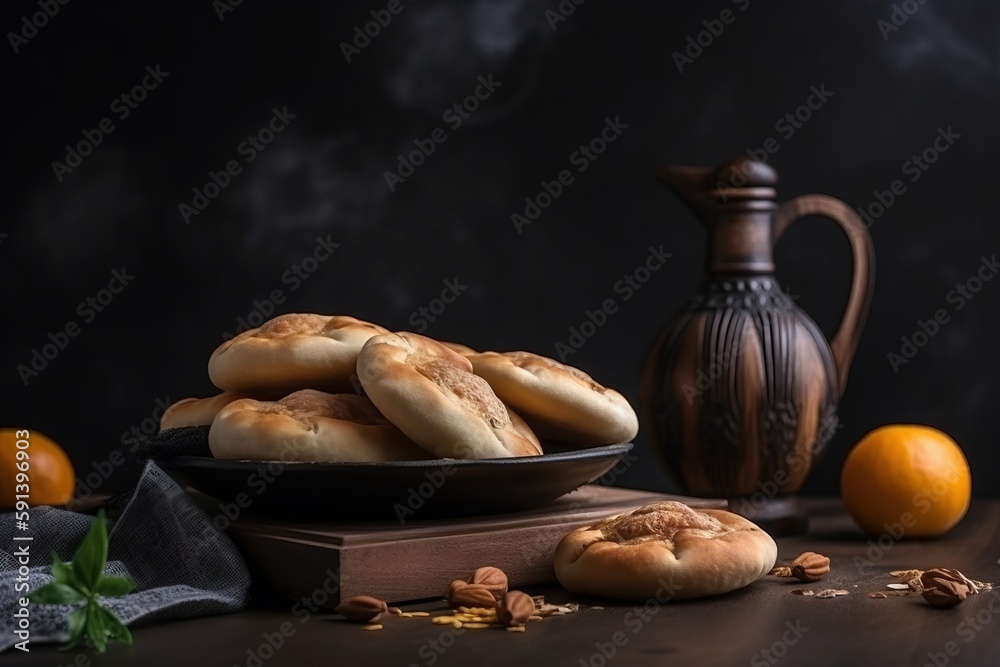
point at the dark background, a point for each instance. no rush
(452, 218)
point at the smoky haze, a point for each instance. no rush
(323, 176)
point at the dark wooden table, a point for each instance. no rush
(763, 624)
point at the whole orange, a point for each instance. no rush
(906, 480)
(50, 477)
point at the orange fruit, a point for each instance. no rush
(906, 480)
(50, 476)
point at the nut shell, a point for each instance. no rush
(493, 578)
(945, 574)
(462, 594)
(810, 566)
(361, 608)
(515, 608)
(944, 592)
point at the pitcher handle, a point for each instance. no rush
(845, 341)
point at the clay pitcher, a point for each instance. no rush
(740, 390)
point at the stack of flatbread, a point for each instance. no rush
(306, 387)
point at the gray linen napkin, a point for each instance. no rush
(182, 566)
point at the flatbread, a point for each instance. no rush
(309, 425)
(292, 352)
(431, 394)
(558, 401)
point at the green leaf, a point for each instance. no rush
(55, 593)
(62, 572)
(77, 623)
(89, 559)
(116, 629)
(81, 579)
(113, 586)
(96, 630)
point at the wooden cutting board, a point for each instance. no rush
(325, 562)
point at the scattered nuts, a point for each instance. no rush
(949, 574)
(945, 573)
(831, 593)
(372, 626)
(515, 628)
(462, 594)
(781, 571)
(810, 566)
(515, 608)
(493, 579)
(543, 609)
(878, 596)
(898, 587)
(940, 592)
(475, 626)
(478, 610)
(395, 610)
(361, 608)
(803, 591)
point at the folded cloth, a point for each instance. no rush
(182, 566)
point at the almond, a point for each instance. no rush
(810, 566)
(462, 594)
(493, 578)
(515, 608)
(940, 592)
(361, 608)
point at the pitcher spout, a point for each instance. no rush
(692, 185)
